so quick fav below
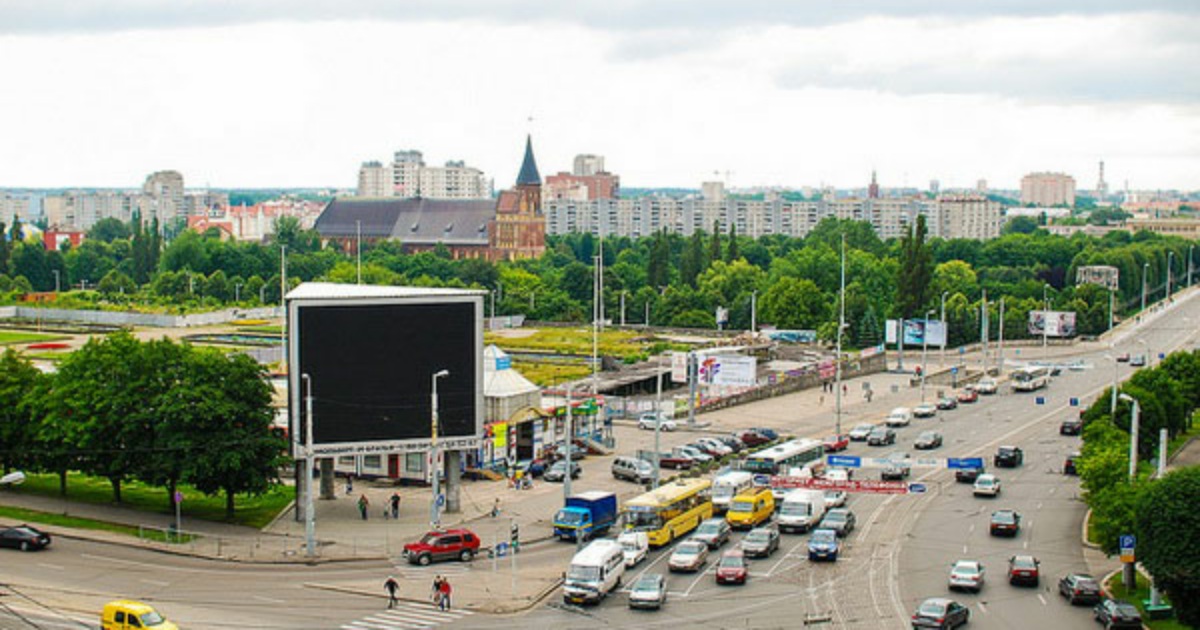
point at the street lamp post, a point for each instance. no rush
(55, 271)
(1170, 261)
(1145, 272)
(1045, 319)
(1130, 577)
(237, 292)
(924, 352)
(840, 330)
(310, 519)
(435, 517)
(754, 311)
(943, 319)
(568, 440)
(1190, 248)
(1113, 405)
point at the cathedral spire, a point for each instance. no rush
(529, 171)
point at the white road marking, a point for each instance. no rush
(54, 567)
(269, 600)
(983, 608)
(154, 582)
(964, 549)
(1025, 545)
(971, 530)
(1042, 599)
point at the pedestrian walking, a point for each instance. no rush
(363, 506)
(391, 586)
(444, 591)
(822, 402)
(496, 507)
(395, 505)
(436, 593)
(349, 485)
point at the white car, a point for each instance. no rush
(900, 417)
(835, 498)
(649, 420)
(986, 485)
(716, 445)
(634, 545)
(967, 575)
(860, 432)
(986, 386)
(925, 410)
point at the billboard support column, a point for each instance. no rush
(327, 492)
(453, 481)
(310, 521)
(434, 511)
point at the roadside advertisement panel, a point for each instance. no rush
(916, 330)
(736, 370)
(1057, 323)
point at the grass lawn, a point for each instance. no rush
(250, 511)
(1116, 588)
(578, 340)
(547, 374)
(9, 337)
(46, 518)
(264, 329)
(47, 356)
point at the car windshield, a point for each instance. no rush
(643, 521)
(794, 509)
(823, 536)
(741, 506)
(835, 517)
(833, 494)
(709, 529)
(934, 609)
(878, 433)
(864, 428)
(757, 536)
(724, 490)
(928, 437)
(966, 568)
(689, 548)
(430, 538)
(1023, 563)
(151, 619)
(732, 561)
(984, 481)
(647, 583)
(1004, 517)
(581, 573)
(630, 545)
(1126, 610)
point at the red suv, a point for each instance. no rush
(448, 544)
(752, 438)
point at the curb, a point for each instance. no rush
(1083, 536)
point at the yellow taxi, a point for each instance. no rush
(124, 614)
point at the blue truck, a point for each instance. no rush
(586, 515)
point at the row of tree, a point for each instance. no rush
(662, 279)
(158, 411)
(1161, 512)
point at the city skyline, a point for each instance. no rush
(266, 94)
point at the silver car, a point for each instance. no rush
(650, 591)
(967, 575)
(689, 555)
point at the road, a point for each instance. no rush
(900, 553)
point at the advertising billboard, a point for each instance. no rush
(735, 370)
(916, 330)
(1103, 275)
(1057, 323)
(370, 353)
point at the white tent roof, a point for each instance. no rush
(505, 381)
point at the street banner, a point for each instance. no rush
(870, 486)
(679, 361)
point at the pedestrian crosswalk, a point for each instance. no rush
(407, 616)
(417, 572)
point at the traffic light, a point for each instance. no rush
(515, 538)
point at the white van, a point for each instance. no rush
(594, 572)
(635, 546)
(728, 484)
(900, 417)
(801, 510)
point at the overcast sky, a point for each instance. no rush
(261, 93)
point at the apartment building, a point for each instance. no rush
(408, 177)
(1048, 189)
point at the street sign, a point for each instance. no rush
(954, 370)
(1128, 543)
(1040, 400)
(916, 488)
(178, 497)
(964, 462)
(441, 500)
(501, 549)
(846, 461)
(1074, 402)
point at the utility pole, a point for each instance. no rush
(310, 521)
(1155, 596)
(657, 423)
(983, 327)
(1170, 261)
(1130, 575)
(754, 311)
(1000, 342)
(1045, 320)
(569, 440)
(945, 331)
(924, 352)
(841, 326)
(435, 517)
(692, 374)
(1145, 272)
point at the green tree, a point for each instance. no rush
(731, 253)
(18, 423)
(714, 251)
(1168, 531)
(115, 282)
(794, 303)
(915, 271)
(5, 249)
(108, 229)
(1020, 225)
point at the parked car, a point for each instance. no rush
(689, 555)
(835, 498)
(1069, 464)
(925, 410)
(25, 538)
(881, 436)
(761, 542)
(1009, 457)
(732, 442)
(770, 434)
(752, 438)
(840, 520)
(648, 421)
(696, 455)
(947, 402)
(968, 395)
(899, 417)
(1023, 569)
(823, 545)
(928, 440)
(715, 445)
(939, 612)
(986, 386)
(449, 544)
(1071, 426)
(731, 568)
(649, 591)
(986, 485)
(1137, 360)
(1115, 613)
(558, 470)
(633, 469)
(967, 475)
(835, 443)
(555, 452)
(966, 575)
(708, 449)
(1005, 523)
(1079, 588)
(713, 532)
(861, 432)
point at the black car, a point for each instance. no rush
(840, 520)
(881, 436)
(895, 471)
(1071, 426)
(1005, 523)
(731, 442)
(928, 440)
(968, 475)
(1079, 588)
(25, 538)
(1115, 613)
(1069, 465)
(1009, 457)
(939, 612)
(947, 402)
(770, 434)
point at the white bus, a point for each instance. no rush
(779, 459)
(1029, 378)
(727, 485)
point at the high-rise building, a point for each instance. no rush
(935, 186)
(374, 180)
(873, 189)
(587, 164)
(981, 186)
(1101, 185)
(588, 180)
(968, 216)
(408, 177)
(713, 191)
(1048, 189)
(163, 197)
